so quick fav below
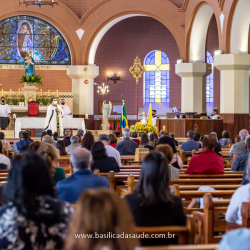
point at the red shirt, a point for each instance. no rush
(136, 140)
(113, 144)
(207, 162)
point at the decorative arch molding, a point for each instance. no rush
(116, 10)
(198, 33)
(239, 36)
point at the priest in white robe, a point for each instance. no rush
(5, 113)
(54, 118)
(66, 112)
(154, 118)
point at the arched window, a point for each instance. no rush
(20, 34)
(156, 77)
(210, 80)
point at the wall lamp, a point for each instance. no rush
(114, 77)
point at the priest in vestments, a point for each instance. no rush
(4, 113)
(54, 118)
(66, 112)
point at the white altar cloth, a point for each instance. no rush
(39, 122)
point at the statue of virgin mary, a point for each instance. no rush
(29, 65)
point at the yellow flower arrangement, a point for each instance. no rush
(141, 128)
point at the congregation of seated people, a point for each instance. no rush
(44, 207)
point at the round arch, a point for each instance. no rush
(111, 12)
(240, 28)
(198, 36)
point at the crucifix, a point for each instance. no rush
(137, 70)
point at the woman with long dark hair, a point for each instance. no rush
(101, 160)
(33, 217)
(88, 141)
(151, 203)
(61, 147)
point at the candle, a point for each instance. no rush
(10, 91)
(18, 92)
(2, 92)
(112, 74)
(118, 73)
(108, 74)
(86, 116)
(48, 93)
(164, 127)
(41, 92)
(14, 116)
(57, 93)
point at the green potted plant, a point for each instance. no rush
(31, 79)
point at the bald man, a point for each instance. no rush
(82, 178)
(239, 147)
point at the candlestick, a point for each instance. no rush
(41, 92)
(14, 116)
(18, 92)
(164, 127)
(57, 93)
(86, 116)
(48, 93)
(2, 92)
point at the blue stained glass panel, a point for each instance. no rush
(210, 80)
(151, 79)
(19, 34)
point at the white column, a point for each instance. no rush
(234, 82)
(193, 85)
(83, 94)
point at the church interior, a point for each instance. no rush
(151, 97)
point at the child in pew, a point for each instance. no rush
(199, 201)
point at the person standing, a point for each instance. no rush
(154, 118)
(4, 113)
(54, 118)
(66, 112)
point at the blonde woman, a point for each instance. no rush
(50, 155)
(101, 211)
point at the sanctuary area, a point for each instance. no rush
(124, 124)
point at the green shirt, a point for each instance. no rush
(59, 175)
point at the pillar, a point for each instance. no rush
(83, 94)
(193, 85)
(234, 91)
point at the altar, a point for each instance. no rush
(38, 123)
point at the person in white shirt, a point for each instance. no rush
(242, 194)
(154, 118)
(111, 152)
(5, 113)
(214, 114)
(66, 112)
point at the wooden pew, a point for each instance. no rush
(185, 233)
(209, 222)
(182, 154)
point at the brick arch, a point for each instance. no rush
(52, 16)
(109, 11)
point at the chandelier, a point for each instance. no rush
(38, 2)
(103, 90)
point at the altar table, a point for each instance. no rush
(39, 122)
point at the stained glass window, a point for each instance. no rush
(20, 34)
(210, 80)
(156, 77)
